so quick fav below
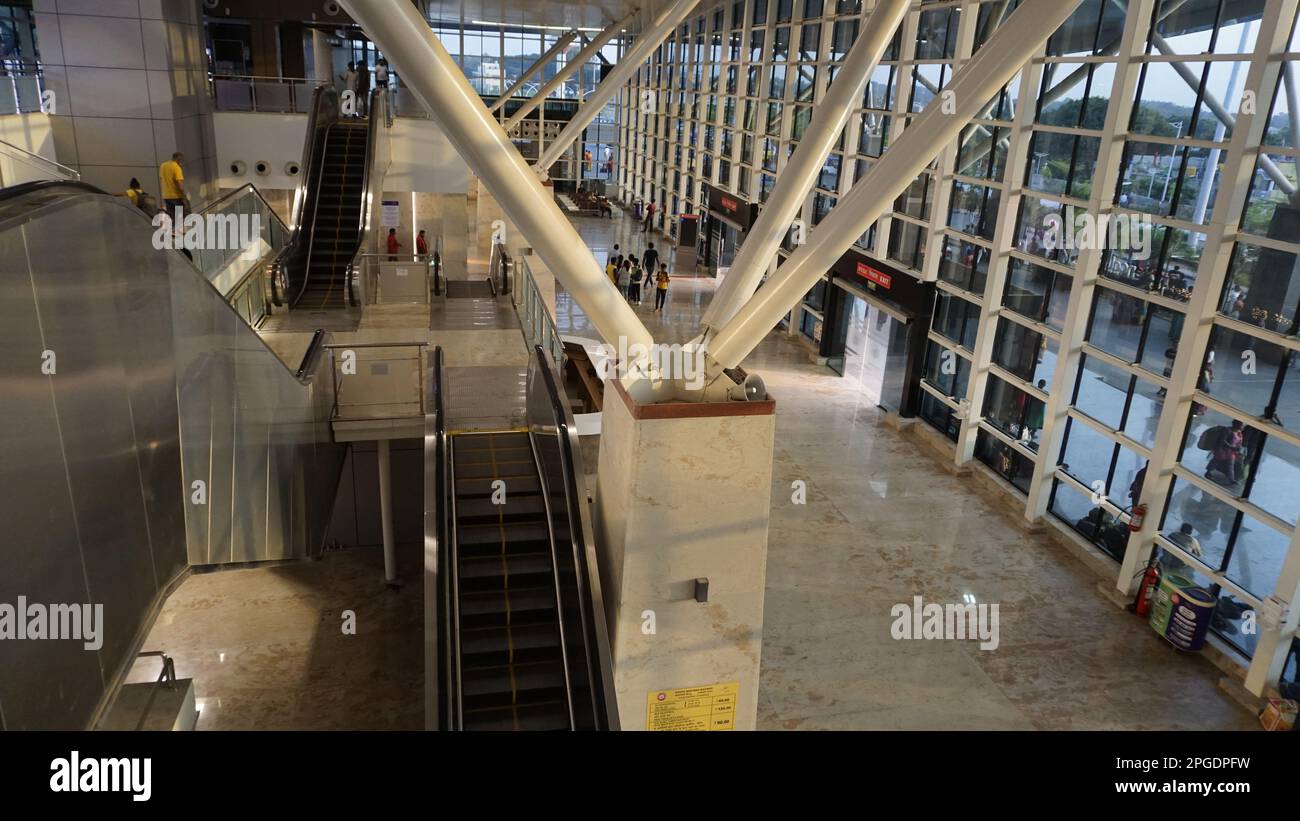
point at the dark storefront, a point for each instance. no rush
(876, 321)
(727, 221)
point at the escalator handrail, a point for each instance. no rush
(325, 111)
(595, 633)
(379, 117)
(311, 245)
(73, 188)
(444, 524)
(238, 192)
(555, 579)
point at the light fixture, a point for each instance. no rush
(529, 26)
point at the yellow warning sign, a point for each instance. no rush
(711, 707)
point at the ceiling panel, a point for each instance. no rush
(580, 13)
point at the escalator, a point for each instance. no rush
(343, 168)
(522, 637)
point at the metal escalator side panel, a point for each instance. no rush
(325, 111)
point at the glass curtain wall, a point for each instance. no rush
(1164, 342)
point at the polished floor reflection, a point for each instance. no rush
(884, 523)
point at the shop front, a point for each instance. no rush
(727, 221)
(874, 325)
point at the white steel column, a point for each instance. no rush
(386, 510)
(800, 173)
(646, 42)
(560, 45)
(438, 83)
(584, 56)
(972, 87)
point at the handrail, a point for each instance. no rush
(442, 527)
(53, 187)
(236, 193)
(325, 111)
(555, 579)
(314, 349)
(591, 606)
(70, 173)
(380, 111)
(311, 244)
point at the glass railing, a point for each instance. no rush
(275, 95)
(538, 323)
(248, 234)
(21, 93)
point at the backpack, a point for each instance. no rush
(1210, 438)
(146, 203)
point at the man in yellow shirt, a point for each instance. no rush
(172, 178)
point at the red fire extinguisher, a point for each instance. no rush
(1136, 517)
(1147, 589)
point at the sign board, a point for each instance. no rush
(391, 216)
(710, 707)
(872, 275)
(401, 272)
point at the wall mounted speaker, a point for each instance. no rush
(238, 168)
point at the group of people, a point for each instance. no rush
(176, 200)
(631, 275)
(357, 80)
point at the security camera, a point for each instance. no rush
(238, 168)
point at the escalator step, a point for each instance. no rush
(514, 683)
(503, 455)
(517, 564)
(471, 487)
(531, 717)
(517, 508)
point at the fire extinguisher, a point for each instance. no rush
(1147, 589)
(1136, 517)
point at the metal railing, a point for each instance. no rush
(580, 605)
(18, 165)
(386, 379)
(22, 93)
(538, 324)
(287, 95)
(273, 95)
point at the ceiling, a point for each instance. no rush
(595, 14)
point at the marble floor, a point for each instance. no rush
(884, 523)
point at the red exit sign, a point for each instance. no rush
(879, 277)
(729, 204)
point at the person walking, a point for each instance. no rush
(421, 244)
(1226, 458)
(649, 218)
(171, 176)
(661, 288)
(620, 276)
(650, 258)
(393, 245)
(381, 74)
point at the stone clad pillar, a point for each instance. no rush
(684, 494)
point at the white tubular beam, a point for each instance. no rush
(974, 83)
(560, 45)
(645, 44)
(800, 172)
(456, 107)
(584, 56)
